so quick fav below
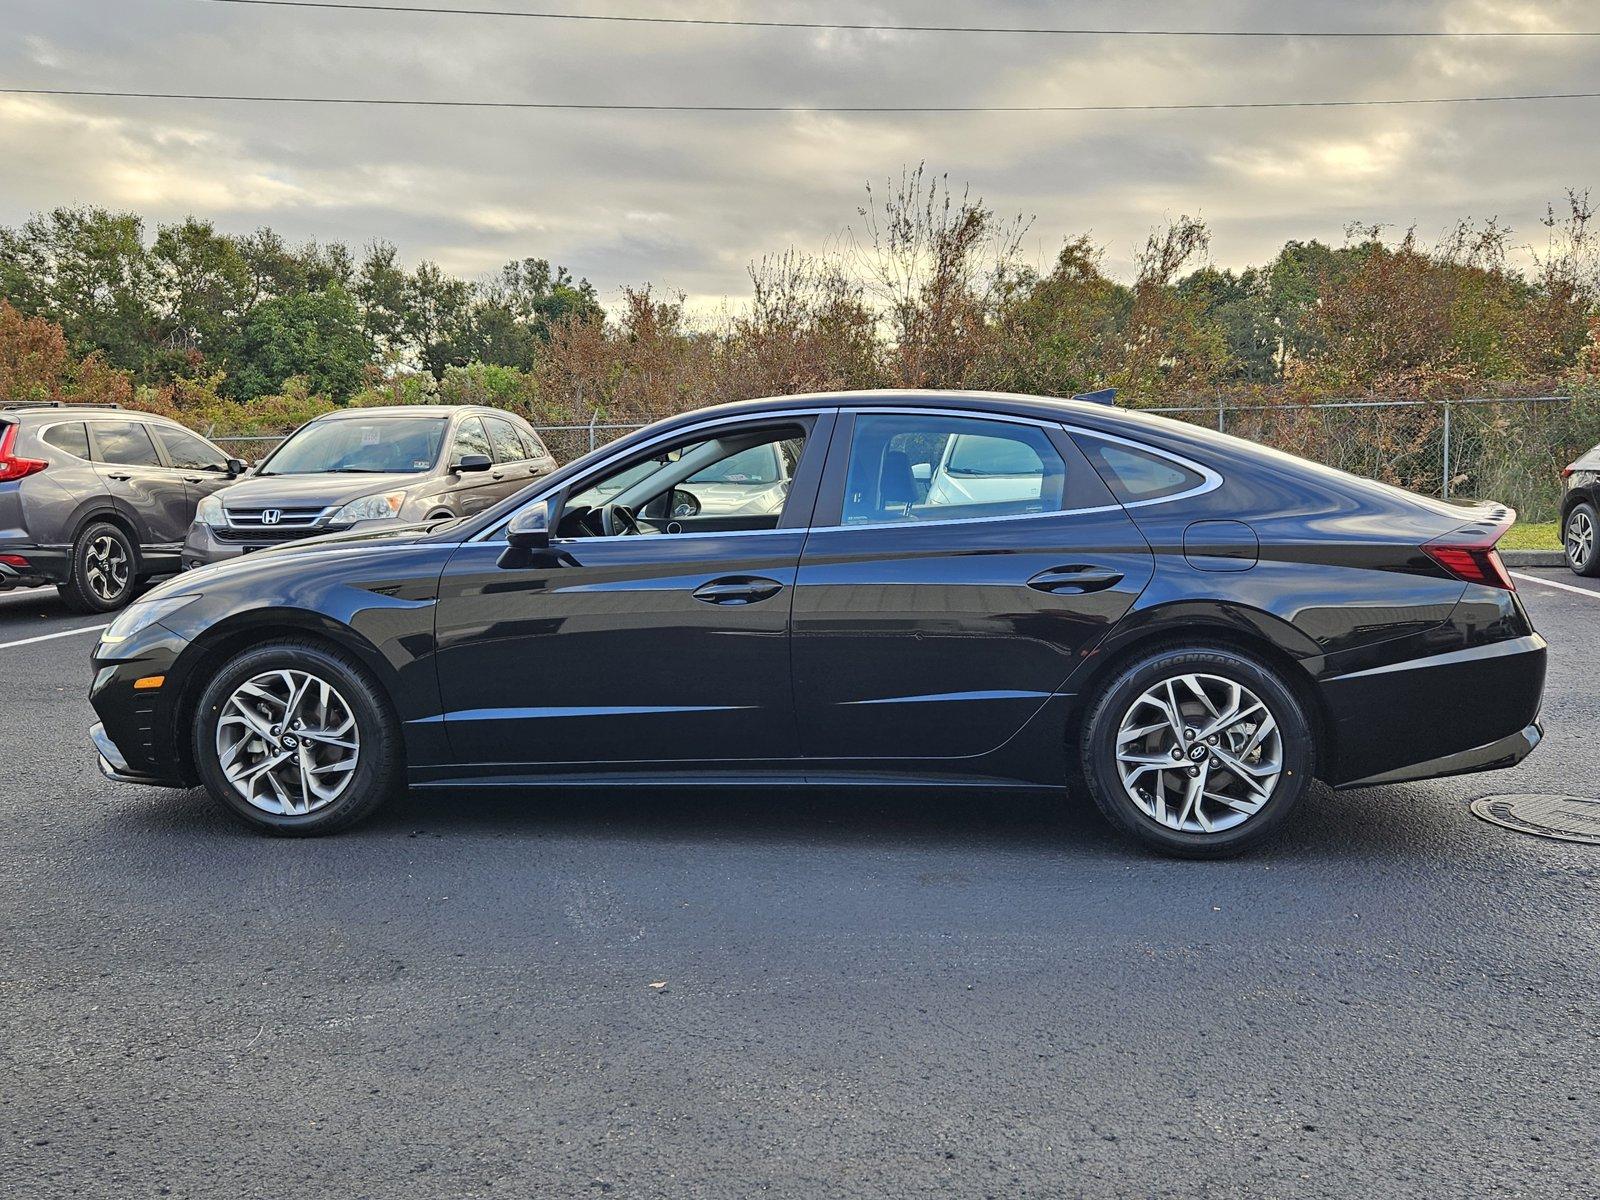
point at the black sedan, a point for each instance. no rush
(958, 590)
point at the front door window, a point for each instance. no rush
(735, 481)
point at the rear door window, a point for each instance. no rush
(531, 444)
(906, 467)
(507, 445)
(124, 444)
(72, 438)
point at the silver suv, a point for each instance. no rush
(94, 498)
(399, 463)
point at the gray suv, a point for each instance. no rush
(94, 498)
(400, 463)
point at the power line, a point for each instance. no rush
(947, 109)
(751, 23)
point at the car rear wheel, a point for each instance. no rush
(105, 569)
(297, 739)
(1198, 753)
(1578, 539)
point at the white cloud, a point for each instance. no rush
(685, 201)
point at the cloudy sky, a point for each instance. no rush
(685, 201)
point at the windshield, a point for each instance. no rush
(974, 454)
(348, 445)
(757, 465)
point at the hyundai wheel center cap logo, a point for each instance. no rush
(271, 516)
(1197, 752)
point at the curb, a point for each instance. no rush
(1533, 558)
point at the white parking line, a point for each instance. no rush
(45, 637)
(1551, 583)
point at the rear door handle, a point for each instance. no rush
(118, 478)
(738, 589)
(193, 479)
(497, 474)
(1075, 579)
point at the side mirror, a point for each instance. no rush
(922, 472)
(684, 504)
(530, 528)
(237, 467)
(472, 462)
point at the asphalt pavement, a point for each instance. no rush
(840, 994)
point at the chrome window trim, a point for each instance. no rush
(1211, 480)
(908, 410)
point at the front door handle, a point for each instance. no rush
(738, 589)
(117, 477)
(1075, 579)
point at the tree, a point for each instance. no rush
(516, 310)
(313, 335)
(438, 319)
(205, 288)
(87, 270)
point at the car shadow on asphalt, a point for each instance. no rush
(1379, 824)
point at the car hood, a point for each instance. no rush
(304, 491)
(375, 536)
(727, 499)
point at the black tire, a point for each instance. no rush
(1104, 718)
(380, 764)
(96, 584)
(1583, 552)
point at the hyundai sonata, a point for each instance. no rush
(956, 590)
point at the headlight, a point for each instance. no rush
(141, 614)
(371, 508)
(209, 512)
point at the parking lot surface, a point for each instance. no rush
(835, 994)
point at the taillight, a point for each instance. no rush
(1468, 554)
(12, 467)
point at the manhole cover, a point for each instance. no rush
(1567, 818)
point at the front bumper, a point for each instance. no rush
(114, 766)
(137, 739)
(203, 545)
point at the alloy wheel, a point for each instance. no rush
(1199, 753)
(106, 568)
(287, 742)
(1580, 539)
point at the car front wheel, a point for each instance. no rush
(1578, 539)
(1198, 753)
(297, 738)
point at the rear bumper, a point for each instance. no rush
(1507, 752)
(1471, 709)
(46, 564)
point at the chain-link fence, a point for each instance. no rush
(1470, 449)
(1473, 449)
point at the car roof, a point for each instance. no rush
(433, 411)
(1047, 408)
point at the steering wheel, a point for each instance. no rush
(618, 520)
